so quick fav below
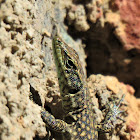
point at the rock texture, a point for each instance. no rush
(26, 64)
(20, 59)
(124, 16)
(130, 18)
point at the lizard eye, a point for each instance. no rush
(58, 42)
(70, 64)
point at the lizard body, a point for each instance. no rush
(78, 122)
(74, 91)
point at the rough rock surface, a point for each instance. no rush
(130, 18)
(26, 65)
(123, 15)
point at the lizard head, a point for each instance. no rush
(70, 72)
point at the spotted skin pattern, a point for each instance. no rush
(78, 122)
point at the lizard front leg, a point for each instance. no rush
(111, 117)
(54, 124)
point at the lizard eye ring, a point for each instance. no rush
(70, 64)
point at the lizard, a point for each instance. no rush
(78, 122)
